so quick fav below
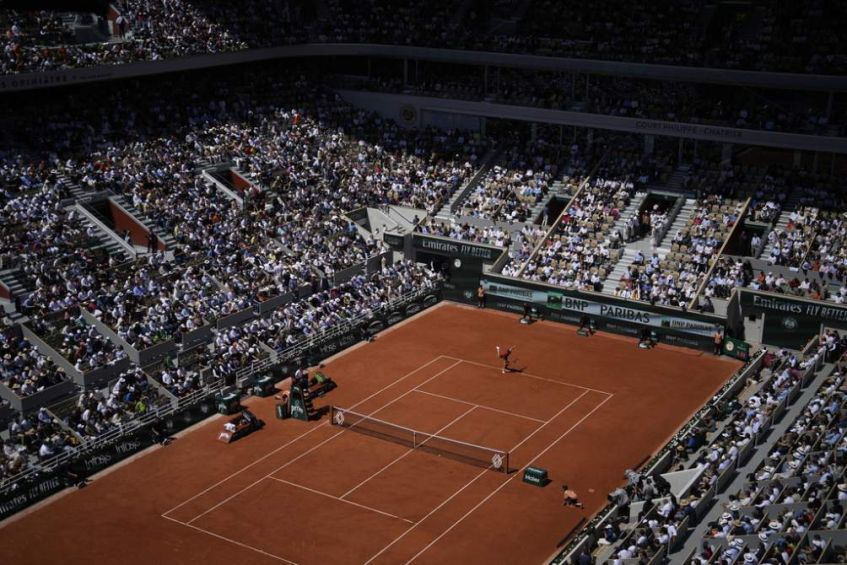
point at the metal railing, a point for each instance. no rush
(301, 348)
(103, 440)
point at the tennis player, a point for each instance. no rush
(504, 356)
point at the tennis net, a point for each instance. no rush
(495, 459)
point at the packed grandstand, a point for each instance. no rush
(170, 236)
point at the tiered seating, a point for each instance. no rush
(77, 341)
(794, 496)
(579, 253)
(489, 235)
(23, 369)
(388, 21)
(32, 439)
(158, 29)
(511, 190)
(97, 412)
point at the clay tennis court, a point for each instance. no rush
(583, 408)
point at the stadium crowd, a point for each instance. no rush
(772, 36)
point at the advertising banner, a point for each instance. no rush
(796, 308)
(555, 300)
(736, 348)
(42, 487)
(455, 248)
(790, 322)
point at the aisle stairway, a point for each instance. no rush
(166, 237)
(791, 205)
(620, 268)
(679, 222)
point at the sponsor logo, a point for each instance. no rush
(497, 461)
(328, 347)
(774, 304)
(461, 249)
(413, 309)
(430, 300)
(376, 325)
(408, 113)
(14, 503)
(100, 460)
(625, 314)
(128, 447)
(393, 318)
(790, 323)
(346, 339)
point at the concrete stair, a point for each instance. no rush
(379, 223)
(445, 213)
(620, 268)
(791, 204)
(74, 188)
(106, 242)
(405, 217)
(558, 189)
(13, 278)
(676, 180)
(166, 237)
(678, 222)
(626, 213)
(15, 317)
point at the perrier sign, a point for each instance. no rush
(736, 348)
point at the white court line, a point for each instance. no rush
(304, 434)
(513, 372)
(238, 543)
(452, 496)
(482, 406)
(313, 448)
(484, 500)
(403, 455)
(332, 496)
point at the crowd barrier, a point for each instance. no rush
(672, 325)
(345, 334)
(658, 464)
(51, 475)
(93, 378)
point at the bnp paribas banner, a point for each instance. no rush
(559, 301)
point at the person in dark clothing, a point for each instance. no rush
(159, 435)
(585, 324)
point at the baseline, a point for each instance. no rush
(340, 499)
(484, 471)
(294, 440)
(317, 446)
(480, 406)
(507, 481)
(236, 542)
(526, 375)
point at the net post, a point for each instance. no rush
(331, 414)
(506, 463)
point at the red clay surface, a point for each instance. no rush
(583, 408)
